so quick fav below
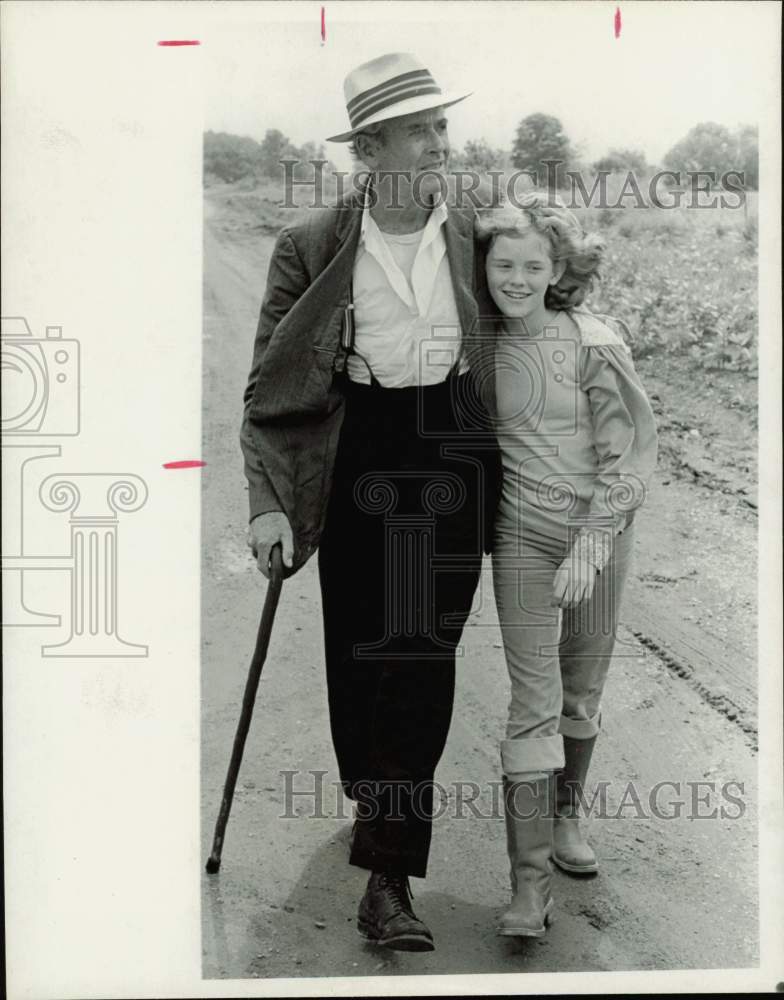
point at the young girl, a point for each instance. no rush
(578, 442)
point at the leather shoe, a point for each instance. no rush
(386, 918)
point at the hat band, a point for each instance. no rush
(401, 88)
(413, 76)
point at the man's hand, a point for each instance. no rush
(266, 530)
(574, 582)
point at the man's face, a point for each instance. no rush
(413, 144)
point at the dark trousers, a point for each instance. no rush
(399, 562)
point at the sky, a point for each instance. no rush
(673, 65)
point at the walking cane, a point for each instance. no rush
(248, 700)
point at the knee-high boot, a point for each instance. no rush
(571, 851)
(529, 824)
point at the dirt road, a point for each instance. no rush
(673, 893)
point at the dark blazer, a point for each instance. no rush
(293, 404)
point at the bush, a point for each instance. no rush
(684, 291)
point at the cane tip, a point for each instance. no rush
(213, 865)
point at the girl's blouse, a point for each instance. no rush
(577, 435)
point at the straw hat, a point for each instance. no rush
(393, 85)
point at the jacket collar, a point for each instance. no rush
(349, 217)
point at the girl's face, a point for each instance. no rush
(519, 272)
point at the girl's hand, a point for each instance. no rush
(574, 582)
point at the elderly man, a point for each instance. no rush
(364, 436)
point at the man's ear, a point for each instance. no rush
(366, 147)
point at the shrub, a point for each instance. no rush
(684, 290)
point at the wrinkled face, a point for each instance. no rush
(412, 144)
(519, 272)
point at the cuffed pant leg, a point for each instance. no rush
(580, 729)
(531, 757)
(587, 642)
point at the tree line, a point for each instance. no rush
(230, 157)
(539, 138)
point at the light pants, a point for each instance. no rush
(557, 660)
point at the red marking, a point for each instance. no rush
(617, 22)
(323, 26)
(183, 465)
(179, 42)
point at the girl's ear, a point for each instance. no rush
(558, 272)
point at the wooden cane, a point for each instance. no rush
(248, 700)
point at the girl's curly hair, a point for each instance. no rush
(581, 252)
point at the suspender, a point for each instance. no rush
(348, 337)
(348, 334)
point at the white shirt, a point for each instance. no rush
(405, 315)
